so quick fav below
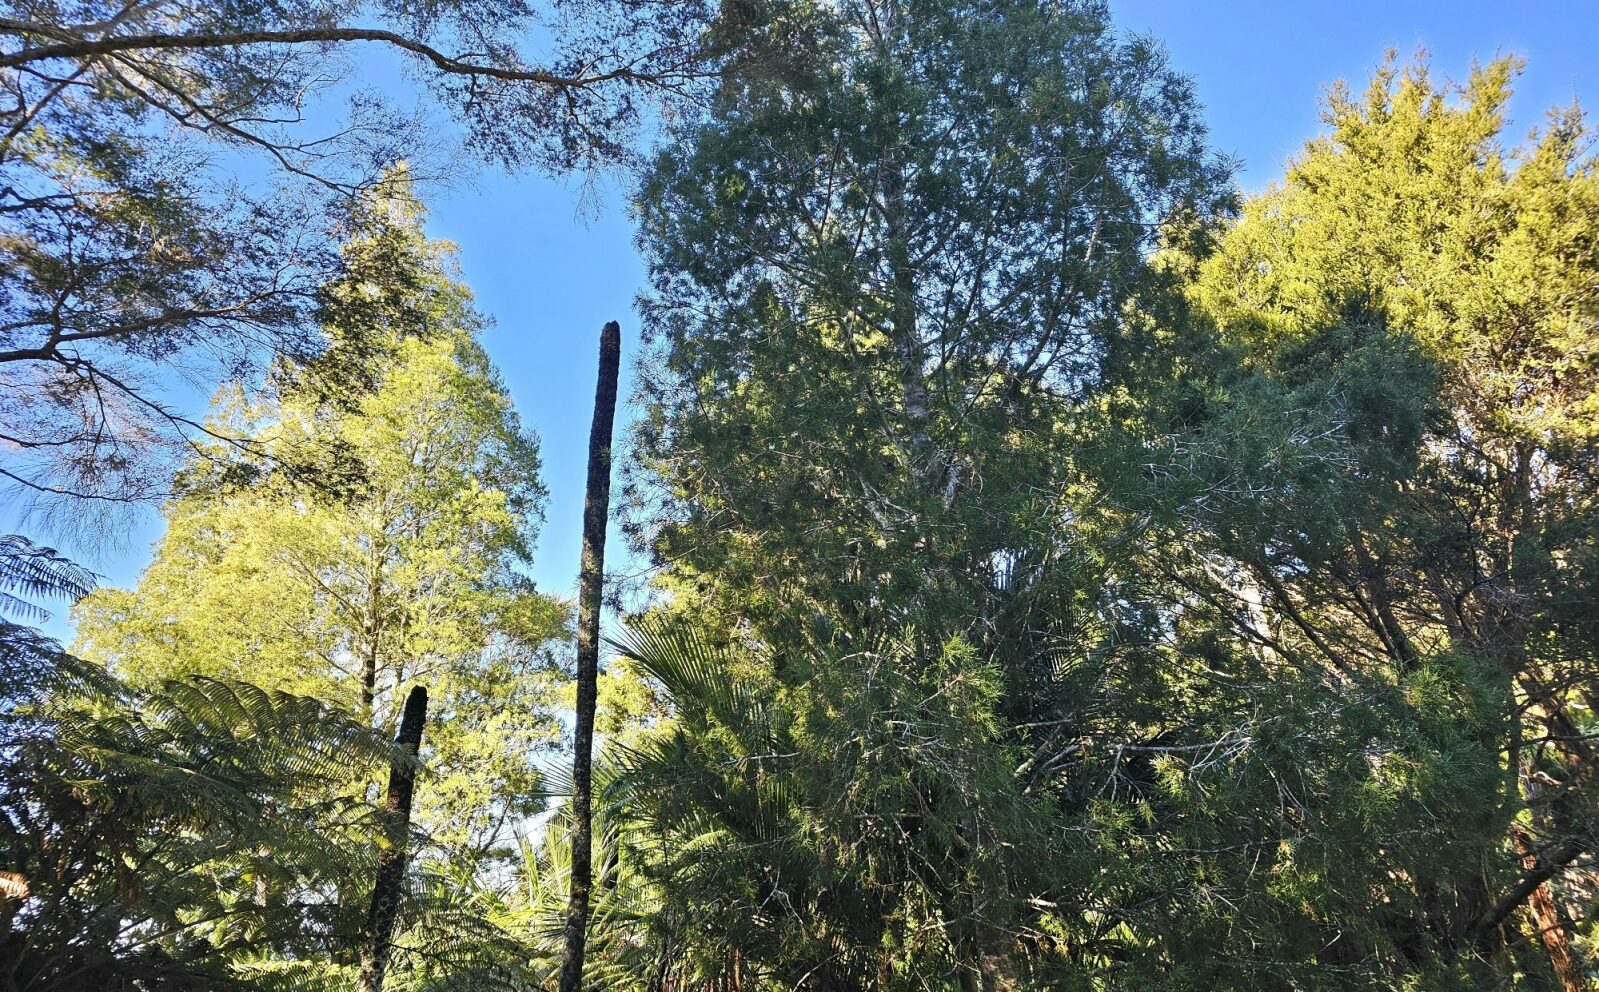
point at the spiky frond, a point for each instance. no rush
(30, 570)
(833, 807)
(624, 902)
(168, 838)
(695, 673)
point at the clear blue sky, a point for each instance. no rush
(550, 276)
(1260, 65)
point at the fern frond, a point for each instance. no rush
(28, 569)
(34, 667)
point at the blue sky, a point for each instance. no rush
(550, 274)
(1259, 66)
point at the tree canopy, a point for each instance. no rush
(412, 570)
(1064, 571)
(171, 171)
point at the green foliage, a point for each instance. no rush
(402, 564)
(164, 838)
(1364, 444)
(1266, 578)
(882, 271)
(1066, 581)
(371, 533)
(167, 839)
(841, 824)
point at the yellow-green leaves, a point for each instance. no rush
(372, 533)
(1414, 208)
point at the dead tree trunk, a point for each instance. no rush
(596, 507)
(389, 888)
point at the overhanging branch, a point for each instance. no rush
(68, 46)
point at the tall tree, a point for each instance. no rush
(1374, 460)
(591, 587)
(1487, 258)
(886, 268)
(883, 268)
(404, 560)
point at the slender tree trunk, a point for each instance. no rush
(369, 676)
(596, 507)
(389, 887)
(374, 632)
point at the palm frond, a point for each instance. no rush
(696, 674)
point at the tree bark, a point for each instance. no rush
(903, 327)
(389, 888)
(1549, 921)
(596, 507)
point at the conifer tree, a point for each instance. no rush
(373, 535)
(886, 268)
(1367, 450)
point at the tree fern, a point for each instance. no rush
(171, 838)
(29, 570)
(33, 666)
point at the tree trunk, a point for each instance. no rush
(596, 506)
(369, 675)
(1549, 922)
(903, 326)
(389, 888)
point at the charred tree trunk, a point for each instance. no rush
(596, 507)
(389, 888)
